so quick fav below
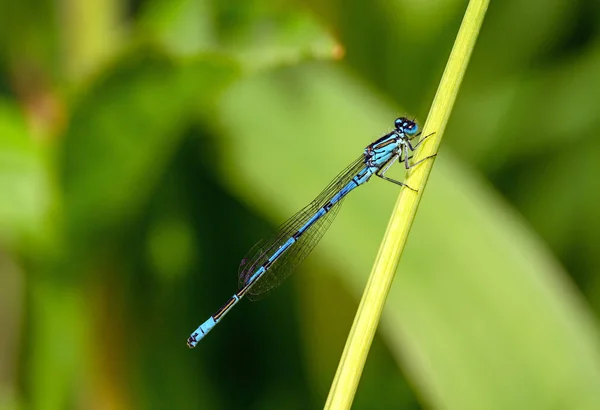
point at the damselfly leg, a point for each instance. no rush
(382, 171)
(408, 165)
(406, 148)
(412, 148)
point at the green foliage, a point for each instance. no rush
(23, 178)
(145, 146)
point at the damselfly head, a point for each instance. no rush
(406, 126)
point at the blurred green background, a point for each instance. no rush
(146, 145)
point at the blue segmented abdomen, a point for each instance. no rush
(280, 254)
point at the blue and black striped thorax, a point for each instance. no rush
(381, 151)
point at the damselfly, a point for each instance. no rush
(273, 259)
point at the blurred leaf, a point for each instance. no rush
(91, 32)
(57, 359)
(258, 34)
(265, 36)
(24, 184)
(531, 113)
(515, 35)
(11, 320)
(557, 200)
(533, 94)
(488, 321)
(184, 27)
(401, 46)
(172, 248)
(29, 38)
(562, 101)
(125, 129)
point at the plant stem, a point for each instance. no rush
(371, 305)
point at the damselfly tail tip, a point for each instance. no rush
(192, 341)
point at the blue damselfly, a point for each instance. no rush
(273, 259)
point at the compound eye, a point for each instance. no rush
(410, 128)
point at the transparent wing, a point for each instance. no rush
(285, 265)
(293, 256)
